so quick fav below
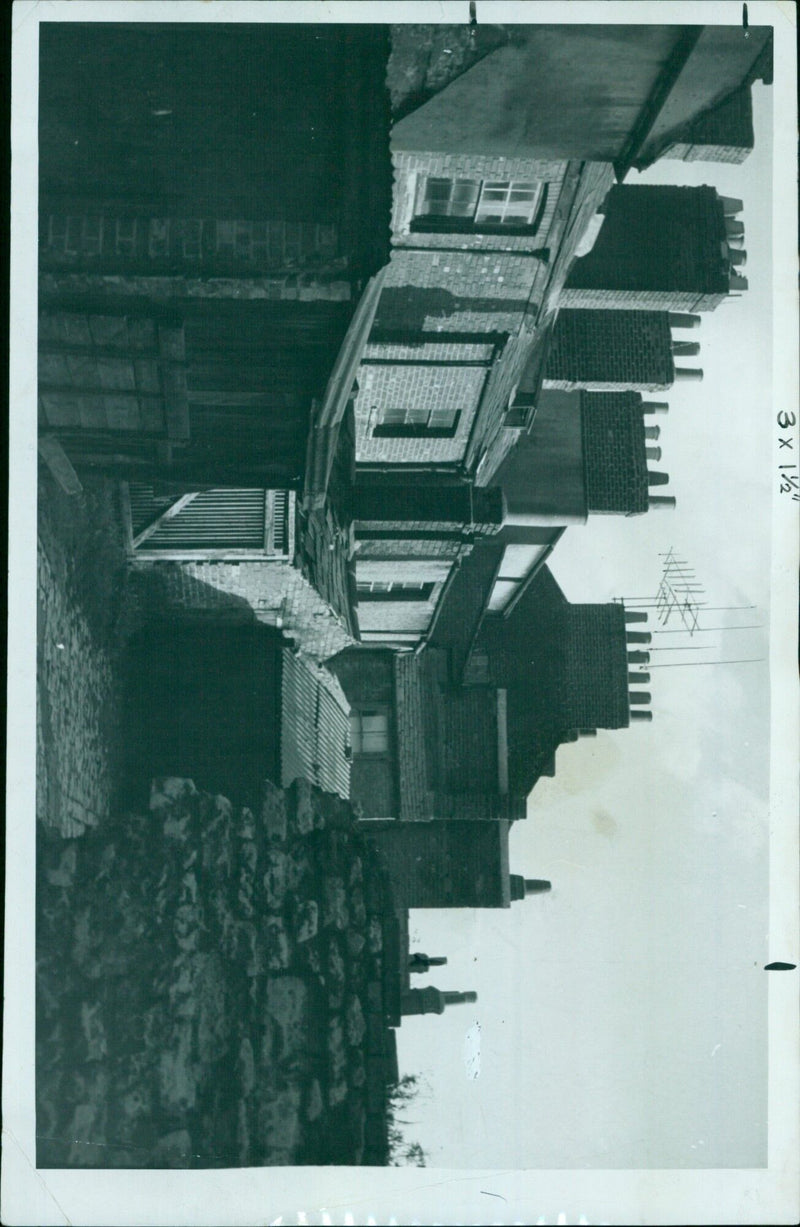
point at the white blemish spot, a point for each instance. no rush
(472, 1051)
(715, 1049)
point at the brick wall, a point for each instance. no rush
(615, 464)
(595, 679)
(409, 167)
(659, 248)
(724, 134)
(414, 740)
(452, 863)
(641, 300)
(430, 349)
(415, 387)
(469, 742)
(266, 589)
(457, 291)
(612, 349)
(405, 547)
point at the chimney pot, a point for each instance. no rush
(655, 406)
(635, 615)
(652, 432)
(537, 886)
(639, 698)
(738, 257)
(683, 319)
(653, 453)
(654, 478)
(686, 349)
(636, 678)
(688, 372)
(641, 715)
(459, 998)
(731, 205)
(638, 637)
(638, 658)
(734, 229)
(663, 500)
(737, 282)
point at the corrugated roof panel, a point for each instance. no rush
(315, 728)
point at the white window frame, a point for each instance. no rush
(508, 202)
(437, 419)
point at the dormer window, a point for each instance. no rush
(481, 206)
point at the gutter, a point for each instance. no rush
(658, 96)
(534, 571)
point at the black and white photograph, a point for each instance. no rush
(403, 705)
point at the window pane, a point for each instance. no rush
(437, 189)
(443, 419)
(510, 203)
(355, 732)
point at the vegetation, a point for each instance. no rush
(403, 1153)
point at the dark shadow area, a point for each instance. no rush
(417, 309)
(202, 701)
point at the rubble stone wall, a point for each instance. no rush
(209, 987)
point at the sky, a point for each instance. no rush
(622, 1019)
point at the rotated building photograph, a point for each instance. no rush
(368, 832)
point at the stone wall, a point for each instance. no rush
(210, 988)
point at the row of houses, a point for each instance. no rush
(360, 332)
